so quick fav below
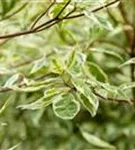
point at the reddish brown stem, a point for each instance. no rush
(54, 21)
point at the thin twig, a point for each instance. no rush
(112, 17)
(45, 24)
(71, 12)
(113, 100)
(61, 11)
(48, 26)
(108, 99)
(57, 21)
(41, 15)
(95, 10)
(53, 22)
(4, 89)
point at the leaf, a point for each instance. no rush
(4, 71)
(71, 59)
(112, 53)
(65, 106)
(96, 71)
(103, 22)
(95, 141)
(44, 101)
(121, 93)
(38, 65)
(12, 80)
(57, 65)
(86, 96)
(130, 61)
(66, 77)
(4, 5)
(86, 102)
(7, 5)
(126, 86)
(56, 9)
(14, 147)
(66, 35)
(112, 91)
(81, 58)
(3, 124)
(47, 81)
(54, 91)
(38, 104)
(4, 106)
(28, 89)
(102, 92)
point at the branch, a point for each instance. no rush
(108, 99)
(4, 89)
(54, 21)
(41, 15)
(61, 11)
(113, 100)
(95, 10)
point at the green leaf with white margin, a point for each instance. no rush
(86, 96)
(81, 58)
(4, 106)
(38, 104)
(14, 147)
(98, 20)
(71, 59)
(112, 53)
(56, 9)
(95, 141)
(65, 106)
(86, 102)
(57, 65)
(12, 80)
(96, 71)
(54, 91)
(122, 94)
(102, 21)
(39, 64)
(130, 61)
(77, 63)
(47, 99)
(112, 91)
(4, 71)
(126, 86)
(28, 89)
(108, 91)
(36, 86)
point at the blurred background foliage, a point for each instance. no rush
(90, 59)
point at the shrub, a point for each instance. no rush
(67, 71)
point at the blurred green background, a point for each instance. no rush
(104, 39)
